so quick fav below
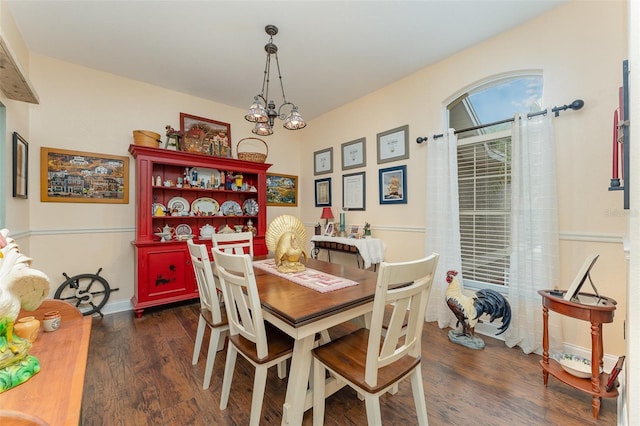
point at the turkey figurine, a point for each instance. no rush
(469, 309)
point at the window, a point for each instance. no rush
(484, 173)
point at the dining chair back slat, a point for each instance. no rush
(235, 243)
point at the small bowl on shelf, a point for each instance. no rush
(575, 365)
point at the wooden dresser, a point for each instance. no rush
(54, 395)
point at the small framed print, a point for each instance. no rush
(323, 161)
(393, 144)
(353, 191)
(354, 154)
(393, 185)
(20, 166)
(323, 192)
(328, 231)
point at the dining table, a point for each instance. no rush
(302, 313)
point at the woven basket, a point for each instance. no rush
(256, 157)
(146, 138)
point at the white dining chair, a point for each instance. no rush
(212, 315)
(257, 341)
(235, 243)
(372, 362)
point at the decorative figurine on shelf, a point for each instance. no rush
(20, 287)
(173, 138)
(222, 181)
(286, 237)
(468, 309)
(194, 176)
(229, 180)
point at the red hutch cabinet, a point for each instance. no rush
(163, 271)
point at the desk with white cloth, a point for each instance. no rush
(368, 250)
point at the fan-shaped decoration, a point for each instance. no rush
(286, 237)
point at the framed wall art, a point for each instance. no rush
(83, 177)
(20, 166)
(329, 229)
(354, 154)
(323, 161)
(282, 190)
(393, 144)
(323, 192)
(393, 185)
(353, 191)
(205, 136)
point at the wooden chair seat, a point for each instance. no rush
(207, 315)
(347, 357)
(280, 344)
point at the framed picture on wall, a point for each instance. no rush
(354, 154)
(323, 161)
(323, 192)
(205, 136)
(83, 177)
(20, 166)
(392, 183)
(393, 144)
(353, 191)
(282, 190)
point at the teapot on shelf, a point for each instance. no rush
(207, 231)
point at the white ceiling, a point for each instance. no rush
(331, 52)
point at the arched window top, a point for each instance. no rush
(495, 100)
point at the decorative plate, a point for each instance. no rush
(231, 208)
(183, 229)
(206, 206)
(155, 206)
(250, 207)
(178, 203)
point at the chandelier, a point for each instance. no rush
(264, 113)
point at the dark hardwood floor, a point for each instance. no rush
(139, 372)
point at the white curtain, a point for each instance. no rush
(442, 222)
(534, 232)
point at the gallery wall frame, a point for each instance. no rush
(323, 161)
(354, 191)
(354, 154)
(393, 145)
(83, 177)
(205, 136)
(282, 190)
(392, 185)
(20, 166)
(323, 192)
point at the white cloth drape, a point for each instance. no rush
(534, 232)
(442, 222)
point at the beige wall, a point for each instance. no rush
(579, 47)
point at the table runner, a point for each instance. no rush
(315, 280)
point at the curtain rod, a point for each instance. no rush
(575, 105)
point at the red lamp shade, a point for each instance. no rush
(326, 213)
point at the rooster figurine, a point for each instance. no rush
(468, 309)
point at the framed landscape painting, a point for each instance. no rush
(282, 190)
(83, 177)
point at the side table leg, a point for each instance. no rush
(545, 344)
(596, 361)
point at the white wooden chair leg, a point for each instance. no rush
(393, 389)
(199, 335)
(418, 397)
(282, 369)
(228, 376)
(318, 393)
(211, 357)
(259, 383)
(221, 340)
(372, 402)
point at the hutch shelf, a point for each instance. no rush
(163, 271)
(596, 310)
